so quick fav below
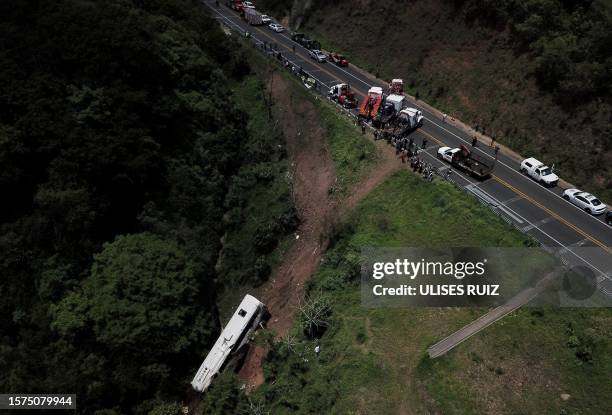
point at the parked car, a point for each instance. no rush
(266, 19)
(609, 218)
(317, 55)
(276, 27)
(585, 201)
(539, 172)
(338, 59)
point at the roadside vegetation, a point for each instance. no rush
(374, 360)
(353, 156)
(259, 204)
(535, 75)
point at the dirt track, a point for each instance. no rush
(313, 175)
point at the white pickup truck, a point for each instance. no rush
(539, 172)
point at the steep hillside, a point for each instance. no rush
(535, 74)
(127, 182)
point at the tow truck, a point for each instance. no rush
(343, 94)
(464, 159)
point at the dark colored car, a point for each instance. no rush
(609, 218)
(297, 37)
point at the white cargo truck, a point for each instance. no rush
(253, 17)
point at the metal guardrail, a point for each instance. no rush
(322, 88)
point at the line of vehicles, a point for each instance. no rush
(479, 167)
(387, 112)
(252, 16)
(390, 113)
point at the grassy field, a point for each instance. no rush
(373, 360)
(353, 156)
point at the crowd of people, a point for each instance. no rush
(408, 152)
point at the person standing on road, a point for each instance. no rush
(496, 151)
(474, 141)
(424, 145)
(293, 48)
(492, 142)
(444, 117)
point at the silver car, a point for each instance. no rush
(318, 55)
(276, 27)
(585, 201)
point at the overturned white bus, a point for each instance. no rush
(248, 316)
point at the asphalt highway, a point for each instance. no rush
(579, 238)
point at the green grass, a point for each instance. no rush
(264, 201)
(373, 360)
(353, 155)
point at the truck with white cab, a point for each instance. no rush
(467, 161)
(539, 172)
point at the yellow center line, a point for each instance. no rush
(496, 178)
(554, 215)
(538, 204)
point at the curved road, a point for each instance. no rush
(577, 237)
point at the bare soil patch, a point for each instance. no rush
(313, 175)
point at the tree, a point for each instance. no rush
(143, 308)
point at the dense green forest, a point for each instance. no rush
(536, 74)
(122, 146)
